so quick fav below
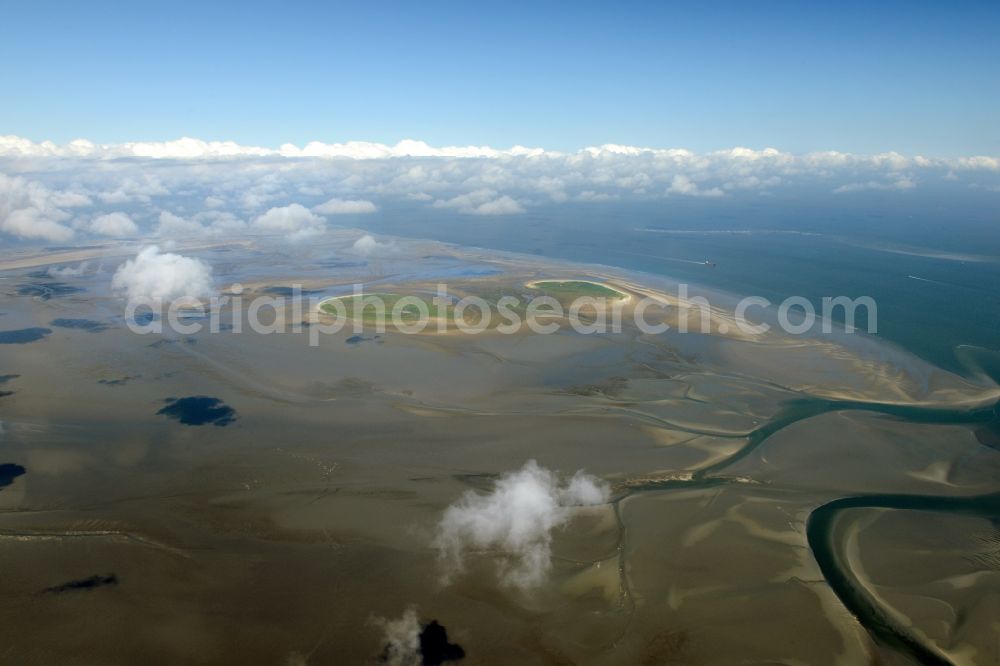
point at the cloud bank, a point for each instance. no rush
(156, 276)
(188, 148)
(516, 519)
(189, 187)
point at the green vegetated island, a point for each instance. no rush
(571, 289)
(409, 306)
(353, 304)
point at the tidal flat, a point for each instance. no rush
(282, 537)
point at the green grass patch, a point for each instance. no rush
(570, 289)
(362, 304)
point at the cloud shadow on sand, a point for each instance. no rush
(9, 472)
(199, 410)
(23, 336)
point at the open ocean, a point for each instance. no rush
(933, 271)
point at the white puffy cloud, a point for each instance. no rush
(163, 276)
(140, 187)
(682, 184)
(401, 638)
(69, 271)
(481, 202)
(219, 222)
(113, 224)
(367, 246)
(978, 162)
(405, 148)
(31, 210)
(196, 149)
(500, 206)
(899, 183)
(345, 207)
(295, 220)
(205, 223)
(590, 195)
(189, 148)
(184, 148)
(175, 226)
(70, 199)
(517, 519)
(36, 223)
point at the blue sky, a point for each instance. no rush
(912, 77)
